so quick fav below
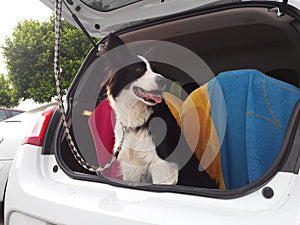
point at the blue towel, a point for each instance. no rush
(252, 125)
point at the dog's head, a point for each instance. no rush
(132, 74)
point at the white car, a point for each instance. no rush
(234, 75)
(12, 133)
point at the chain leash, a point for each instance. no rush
(115, 156)
(57, 74)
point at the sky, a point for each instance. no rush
(13, 11)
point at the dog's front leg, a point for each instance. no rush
(163, 172)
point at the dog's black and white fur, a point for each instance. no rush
(134, 93)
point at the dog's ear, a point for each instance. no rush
(116, 57)
(112, 42)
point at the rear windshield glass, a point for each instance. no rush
(107, 5)
(15, 112)
(2, 115)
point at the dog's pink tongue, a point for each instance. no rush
(157, 98)
(154, 97)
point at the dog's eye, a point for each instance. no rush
(139, 69)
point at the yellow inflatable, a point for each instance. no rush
(193, 116)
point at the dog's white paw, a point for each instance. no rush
(164, 173)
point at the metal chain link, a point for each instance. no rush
(57, 74)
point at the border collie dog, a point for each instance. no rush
(135, 94)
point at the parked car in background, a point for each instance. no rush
(6, 113)
(239, 59)
(12, 133)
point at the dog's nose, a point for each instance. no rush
(161, 82)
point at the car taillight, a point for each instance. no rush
(38, 132)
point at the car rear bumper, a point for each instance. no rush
(38, 193)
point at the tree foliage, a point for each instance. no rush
(29, 55)
(7, 98)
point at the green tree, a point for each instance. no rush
(7, 98)
(29, 55)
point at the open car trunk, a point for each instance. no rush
(232, 37)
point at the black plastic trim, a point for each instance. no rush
(292, 163)
(48, 147)
(70, 2)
